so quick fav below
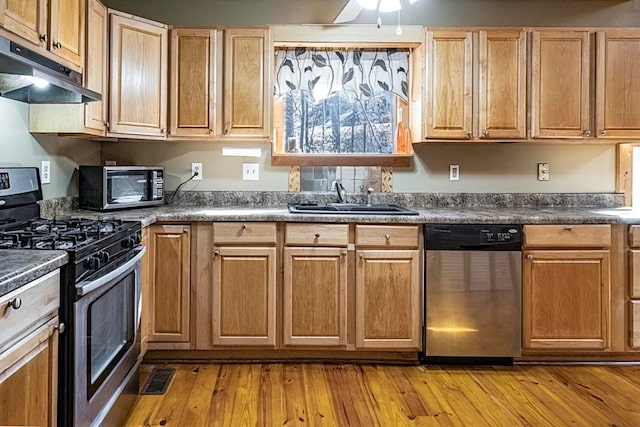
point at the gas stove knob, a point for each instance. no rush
(128, 243)
(137, 238)
(92, 263)
(104, 257)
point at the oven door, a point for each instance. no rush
(107, 337)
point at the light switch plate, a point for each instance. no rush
(454, 172)
(250, 171)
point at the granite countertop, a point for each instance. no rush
(21, 266)
(462, 215)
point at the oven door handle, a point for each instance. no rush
(83, 288)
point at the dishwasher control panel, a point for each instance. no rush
(473, 237)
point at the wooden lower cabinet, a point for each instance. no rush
(29, 379)
(145, 283)
(566, 300)
(169, 286)
(315, 297)
(634, 332)
(388, 299)
(244, 296)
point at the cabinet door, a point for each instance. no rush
(29, 379)
(138, 96)
(634, 333)
(247, 83)
(66, 38)
(315, 296)
(96, 73)
(566, 300)
(170, 284)
(618, 84)
(388, 299)
(502, 94)
(244, 296)
(26, 18)
(560, 104)
(193, 65)
(448, 105)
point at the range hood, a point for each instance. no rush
(21, 68)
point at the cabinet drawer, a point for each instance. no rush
(38, 300)
(244, 232)
(405, 236)
(317, 234)
(634, 273)
(634, 236)
(567, 236)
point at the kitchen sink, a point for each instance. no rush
(350, 208)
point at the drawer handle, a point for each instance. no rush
(529, 257)
(317, 235)
(387, 236)
(60, 328)
(15, 303)
(569, 227)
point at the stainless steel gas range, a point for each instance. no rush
(99, 352)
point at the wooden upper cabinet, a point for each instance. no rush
(448, 104)
(96, 74)
(56, 25)
(193, 80)
(502, 94)
(26, 18)
(618, 84)
(560, 100)
(67, 34)
(139, 62)
(248, 58)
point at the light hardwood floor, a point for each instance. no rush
(381, 395)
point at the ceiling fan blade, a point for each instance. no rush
(349, 12)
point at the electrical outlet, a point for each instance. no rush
(250, 172)
(45, 172)
(196, 168)
(543, 171)
(454, 172)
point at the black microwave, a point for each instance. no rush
(106, 188)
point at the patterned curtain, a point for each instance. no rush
(323, 72)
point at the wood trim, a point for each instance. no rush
(624, 172)
(342, 159)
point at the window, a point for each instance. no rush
(342, 100)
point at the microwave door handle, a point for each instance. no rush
(87, 286)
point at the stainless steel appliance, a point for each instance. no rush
(27, 76)
(100, 300)
(473, 290)
(118, 187)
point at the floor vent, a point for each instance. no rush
(158, 381)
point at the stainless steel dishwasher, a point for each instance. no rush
(473, 290)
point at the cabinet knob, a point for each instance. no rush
(361, 256)
(57, 45)
(60, 328)
(163, 130)
(485, 133)
(603, 133)
(317, 235)
(216, 253)
(243, 226)
(587, 133)
(387, 236)
(529, 257)
(469, 135)
(569, 227)
(343, 253)
(43, 38)
(226, 128)
(15, 303)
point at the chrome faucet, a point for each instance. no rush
(342, 193)
(369, 193)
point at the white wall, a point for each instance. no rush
(19, 148)
(484, 167)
